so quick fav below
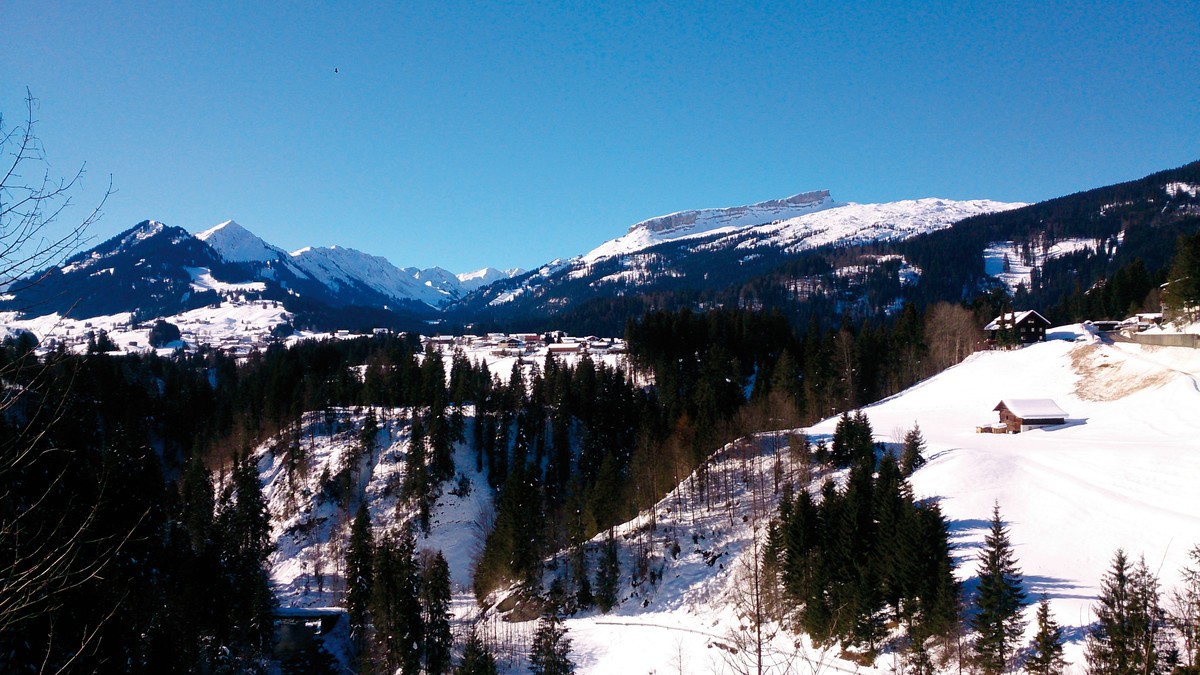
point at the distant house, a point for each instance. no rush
(1017, 414)
(1023, 327)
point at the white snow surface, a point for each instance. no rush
(235, 243)
(470, 281)
(890, 221)
(814, 220)
(686, 224)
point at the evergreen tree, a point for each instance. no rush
(1126, 637)
(1185, 614)
(435, 596)
(997, 621)
(911, 458)
(1046, 655)
(608, 576)
(477, 659)
(551, 650)
(359, 575)
(395, 606)
(245, 536)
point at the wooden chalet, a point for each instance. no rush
(1023, 327)
(1018, 414)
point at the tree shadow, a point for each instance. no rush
(1055, 588)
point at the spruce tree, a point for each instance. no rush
(395, 606)
(997, 621)
(435, 596)
(245, 543)
(1046, 654)
(910, 454)
(1126, 637)
(608, 576)
(551, 650)
(359, 575)
(477, 659)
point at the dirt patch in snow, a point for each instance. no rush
(1106, 374)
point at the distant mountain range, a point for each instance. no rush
(154, 269)
(807, 252)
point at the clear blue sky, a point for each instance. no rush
(510, 133)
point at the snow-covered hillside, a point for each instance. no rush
(797, 223)
(687, 224)
(1119, 473)
(235, 243)
(854, 223)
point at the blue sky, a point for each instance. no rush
(510, 133)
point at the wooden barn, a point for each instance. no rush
(1023, 327)
(1017, 414)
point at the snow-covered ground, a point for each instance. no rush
(1005, 261)
(1120, 473)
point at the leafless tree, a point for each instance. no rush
(41, 556)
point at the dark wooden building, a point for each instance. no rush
(1021, 327)
(1019, 413)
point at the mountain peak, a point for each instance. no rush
(235, 243)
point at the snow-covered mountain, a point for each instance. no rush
(470, 281)
(340, 268)
(689, 224)
(235, 244)
(153, 269)
(707, 248)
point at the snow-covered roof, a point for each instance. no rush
(1032, 408)
(1013, 318)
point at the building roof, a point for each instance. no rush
(1032, 408)
(1014, 318)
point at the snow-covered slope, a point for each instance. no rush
(1120, 474)
(716, 248)
(342, 269)
(686, 224)
(235, 243)
(470, 281)
(852, 223)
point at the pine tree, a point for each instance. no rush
(551, 650)
(477, 659)
(1046, 655)
(435, 596)
(910, 455)
(359, 575)
(999, 602)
